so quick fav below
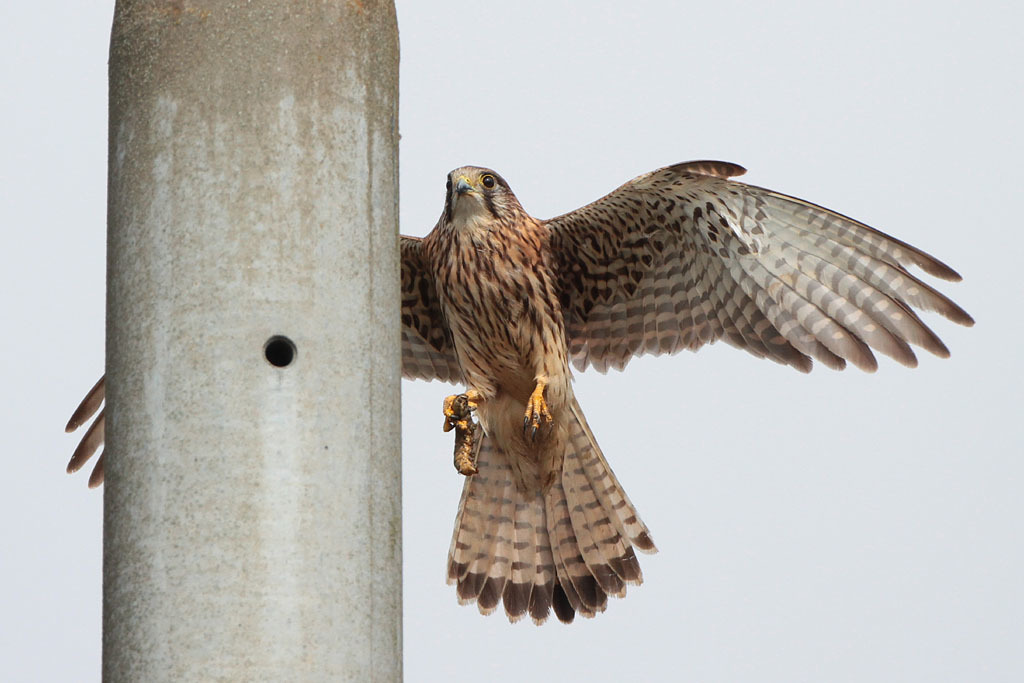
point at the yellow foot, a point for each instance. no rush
(458, 407)
(458, 412)
(537, 413)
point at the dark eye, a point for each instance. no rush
(448, 186)
(488, 181)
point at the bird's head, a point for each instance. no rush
(476, 196)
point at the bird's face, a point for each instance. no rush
(476, 196)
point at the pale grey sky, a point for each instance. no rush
(830, 527)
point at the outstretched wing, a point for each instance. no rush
(683, 256)
(427, 348)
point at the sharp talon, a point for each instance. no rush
(456, 407)
(537, 412)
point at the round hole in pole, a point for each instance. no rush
(279, 351)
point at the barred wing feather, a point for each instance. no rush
(684, 256)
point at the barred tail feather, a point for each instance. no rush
(481, 521)
(575, 577)
(606, 488)
(567, 548)
(542, 595)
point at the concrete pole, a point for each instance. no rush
(252, 524)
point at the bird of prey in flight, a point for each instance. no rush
(503, 304)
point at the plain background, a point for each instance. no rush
(830, 527)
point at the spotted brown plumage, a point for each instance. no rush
(674, 259)
(683, 257)
(427, 350)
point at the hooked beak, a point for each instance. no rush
(462, 185)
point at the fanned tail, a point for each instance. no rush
(567, 548)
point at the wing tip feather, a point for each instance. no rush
(710, 167)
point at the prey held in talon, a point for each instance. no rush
(458, 412)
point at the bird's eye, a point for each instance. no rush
(448, 186)
(488, 181)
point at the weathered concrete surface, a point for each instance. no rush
(252, 523)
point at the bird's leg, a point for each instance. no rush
(458, 415)
(537, 412)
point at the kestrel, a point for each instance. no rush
(501, 302)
